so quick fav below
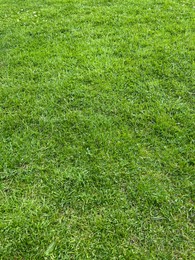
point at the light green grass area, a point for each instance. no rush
(97, 129)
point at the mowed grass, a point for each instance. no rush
(97, 129)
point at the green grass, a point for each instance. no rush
(97, 129)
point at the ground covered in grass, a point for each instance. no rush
(97, 129)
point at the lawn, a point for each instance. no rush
(97, 129)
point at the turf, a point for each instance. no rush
(97, 129)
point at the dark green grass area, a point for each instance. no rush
(97, 129)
